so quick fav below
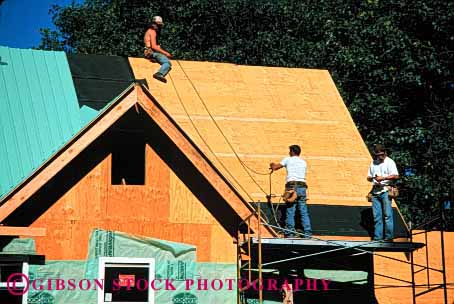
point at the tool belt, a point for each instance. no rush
(393, 192)
(290, 195)
(148, 54)
(293, 184)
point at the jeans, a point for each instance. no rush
(381, 208)
(300, 203)
(162, 59)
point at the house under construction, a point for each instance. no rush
(107, 173)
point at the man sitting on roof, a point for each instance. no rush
(296, 180)
(154, 51)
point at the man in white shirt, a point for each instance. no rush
(382, 173)
(296, 179)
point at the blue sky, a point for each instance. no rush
(20, 21)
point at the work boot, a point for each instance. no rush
(159, 77)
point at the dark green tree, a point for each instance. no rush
(392, 61)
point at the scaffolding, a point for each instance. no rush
(441, 221)
(251, 247)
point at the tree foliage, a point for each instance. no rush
(391, 60)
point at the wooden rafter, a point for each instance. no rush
(22, 231)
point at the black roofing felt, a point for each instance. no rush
(98, 78)
(338, 220)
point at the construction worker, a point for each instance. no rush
(382, 173)
(153, 50)
(296, 180)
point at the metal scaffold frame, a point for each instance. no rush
(441, 220)
(247, 238)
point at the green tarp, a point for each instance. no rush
(174, 261)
